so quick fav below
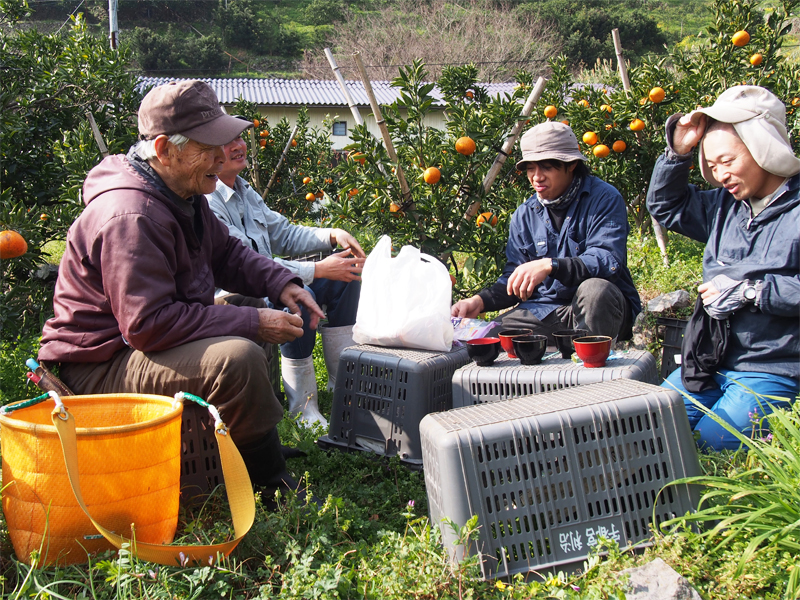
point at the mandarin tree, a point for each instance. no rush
(432, 216)
(678, 82)
(50, 83)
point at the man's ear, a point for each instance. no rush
(163, 149)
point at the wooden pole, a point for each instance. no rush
(500, 160)
(280, 162)
(96, 132)
(254, 159)
(348, 98)
(659, 230)
(623, 69)
(387, 139)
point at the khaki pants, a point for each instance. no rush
(229, 372)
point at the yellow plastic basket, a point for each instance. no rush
(128, 448)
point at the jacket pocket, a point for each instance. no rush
(576, 248)
(536, 249)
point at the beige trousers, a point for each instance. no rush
(229, 372)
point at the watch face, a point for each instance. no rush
(749, 293)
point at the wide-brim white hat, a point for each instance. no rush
(759, 119)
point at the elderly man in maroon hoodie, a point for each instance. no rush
(134, 302)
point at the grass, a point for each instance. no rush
(372, 538)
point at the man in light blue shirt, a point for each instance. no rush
(334, 281)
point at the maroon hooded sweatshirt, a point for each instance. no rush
(139, 271)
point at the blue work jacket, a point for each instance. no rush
(766, 338)
(595, 230)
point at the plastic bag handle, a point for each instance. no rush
(237, 486)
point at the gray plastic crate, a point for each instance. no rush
(382, 394)
(507, 378)
(549, 474)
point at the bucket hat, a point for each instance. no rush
(191, 108)
(551, 140)
(759, 119)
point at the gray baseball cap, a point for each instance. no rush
(551, 140)
(759, 118)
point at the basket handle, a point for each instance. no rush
(237, 486)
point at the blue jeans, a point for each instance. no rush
(735, 404)
(341, 300)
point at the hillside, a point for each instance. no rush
(272, 37)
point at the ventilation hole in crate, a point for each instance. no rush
(647, 422)
(558, 516)
(670, 497)
(480, 454)
(655, 420)
(493, 527)
(639, 422)
(515, 525)
(652, 447)
(657, 470)
(614, 505)
(345, 416)
(646, 500)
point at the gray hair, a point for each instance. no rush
(146, 149)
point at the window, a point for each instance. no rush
(340, 128)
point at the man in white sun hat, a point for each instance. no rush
(742, 345)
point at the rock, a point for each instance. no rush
(669, 301)
(642, 333)
(658, 581)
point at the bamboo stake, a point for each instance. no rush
(97, 136)
(623, 69)
(659, 230)
(280, 162)
(500, 160)
(348, 98)
(387, 139)
(254, 159)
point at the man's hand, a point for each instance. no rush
(278, 327)
(345, 240)
(689, 131)
(467, 309)
(527, 276)
(339, 267)
(707, 291)
(293, 296)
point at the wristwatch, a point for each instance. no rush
(553, 265)
(749, 292)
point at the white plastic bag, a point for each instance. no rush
(405, 301)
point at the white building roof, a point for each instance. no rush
(307, 92)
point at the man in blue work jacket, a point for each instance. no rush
(566, 257)
(751, 265)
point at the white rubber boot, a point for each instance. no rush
(334, 340)
(300, 385)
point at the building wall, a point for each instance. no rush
(318, 116)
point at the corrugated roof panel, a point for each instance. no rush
(306, 92)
